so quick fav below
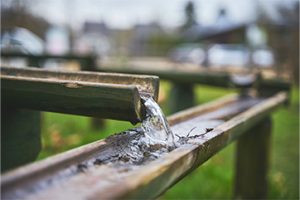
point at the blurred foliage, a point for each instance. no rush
(17, 14)
(161, 44)
(190, 15)
(213, 180)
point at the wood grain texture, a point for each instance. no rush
(59, 178)
(20, 137)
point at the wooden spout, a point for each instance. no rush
(103, 95)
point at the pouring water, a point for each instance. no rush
(155, 125)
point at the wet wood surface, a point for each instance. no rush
(103, 95)
(77, 174)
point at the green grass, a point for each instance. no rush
(62, 132)
(213, 180)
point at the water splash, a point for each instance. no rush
(155, 125)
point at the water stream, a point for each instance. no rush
(155, 125)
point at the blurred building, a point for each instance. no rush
(57, 40)
(223, 30)
(140, 44)
(21, 40)
(94, 38)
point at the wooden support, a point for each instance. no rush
(269, 87)
(34, 62)
(97, 170)
(88, 64)
(97, 123)
(252, 162)
(20, 137)
(181, 97)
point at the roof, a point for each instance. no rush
(198, 32)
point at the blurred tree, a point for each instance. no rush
(190, 15)
(161, 44)
(283, 36)
(15, 13)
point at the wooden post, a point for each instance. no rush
(20, 137)
(252, 162)
(181, 97)
(97, 123)
(88, 63)
(33, 62)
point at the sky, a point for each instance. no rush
(126, 13)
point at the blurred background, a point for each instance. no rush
(215, 34)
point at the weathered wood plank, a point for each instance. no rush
(113, 96)
(86, 171)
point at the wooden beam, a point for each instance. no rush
(221, 79)
(104, 95)
(97, 170)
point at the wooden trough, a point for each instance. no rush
(105, 170)
(26, 92)
(183, 81)
(104, 95)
